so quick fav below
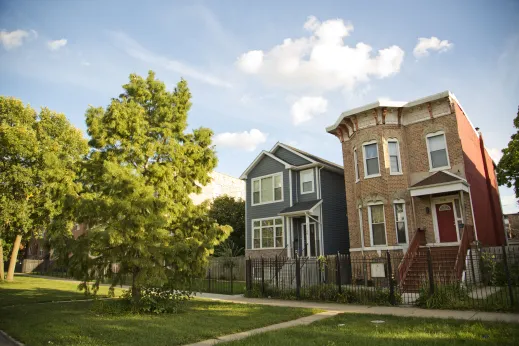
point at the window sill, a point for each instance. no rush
(306, 193)
(253, 205)
(397, 173)
(439, 169)
(268, 248)
(372, 176)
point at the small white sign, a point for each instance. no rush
(378, 270)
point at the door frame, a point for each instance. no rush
(441, 200)
(316, 235)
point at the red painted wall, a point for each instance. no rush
(488, 231)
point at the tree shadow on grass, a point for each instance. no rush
(15, 297)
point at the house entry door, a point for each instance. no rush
(310, 241)
(446, 222)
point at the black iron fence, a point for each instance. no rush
(489, 279)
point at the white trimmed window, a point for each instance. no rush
(356, 160)
(395, 164)
(307, 181)
(400, 222)
(267, 233)
(377, 224)
(437, 149)
(371, 166)
(267, 189)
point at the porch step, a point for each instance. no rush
(443, 262)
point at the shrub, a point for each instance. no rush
(450, 296)
(493, 270)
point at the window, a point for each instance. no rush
(400, 223)
(361, 229)
(371, 167)
(307, 181)
(356, 160)
(267, 189)
(437, 147)
(377, 224)
(267, 233)
(395, 166)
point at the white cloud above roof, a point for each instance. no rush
(246, 140)
(307, 107)
(14, 39)
(57, 44)
(425, 45)
(321, 60)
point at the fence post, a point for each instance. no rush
(430, 270)
(232, 265)
(472, 267)
(248, 275)
(338, 277)
(298, 277)
(508, 278)
(209, 280)
(365, 270)
(392, 299)
(262, 277)
(276, 271)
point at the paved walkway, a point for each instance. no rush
(374, 310)
(299, 322)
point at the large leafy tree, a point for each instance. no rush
(137, 179)
(508, 167)
(227, 210)
(38, 163)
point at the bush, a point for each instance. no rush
(493, 270)
(450, 296)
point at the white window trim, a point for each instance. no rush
(301, 181)
(356, 165)
(394, 140)
(431, 169)
(364, 160)
(401, 201)
(370, 225)
(273, 193)
(261, 233)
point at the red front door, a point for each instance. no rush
(446, 223)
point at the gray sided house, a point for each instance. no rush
(295, 203)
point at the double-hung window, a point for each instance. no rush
(356, 163)
(395, 165)
(267, 189)
(307, 181)
(437, 148)
(400, 222)
(377, 224)
(371, 166)
(267, 233)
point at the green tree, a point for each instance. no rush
(508, 167)
(38, 164)
(227, 210)
(137, 179)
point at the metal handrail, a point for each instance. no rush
(466, 238)
(411, 253)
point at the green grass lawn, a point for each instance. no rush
(28, 290)
(357, 329)
(76, 324)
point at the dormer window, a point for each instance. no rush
(307, 181)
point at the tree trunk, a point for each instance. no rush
(14, 255)
(136, 290)
(1, 260)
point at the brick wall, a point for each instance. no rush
(265, 253)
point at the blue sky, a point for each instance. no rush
(268, 71)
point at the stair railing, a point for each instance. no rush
(412, 250)
(466, 238)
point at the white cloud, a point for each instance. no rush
(241, 140)
(425, 45)
(306, 107)
(321, 60)
(495, 154)
(57, 44)
(135, 50)
(85, 63)
(15, 38)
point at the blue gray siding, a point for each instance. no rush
(335, 220)
(290, 157)
(266, 166)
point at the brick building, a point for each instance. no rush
(419, 164)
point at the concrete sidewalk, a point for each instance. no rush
(374, 310)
